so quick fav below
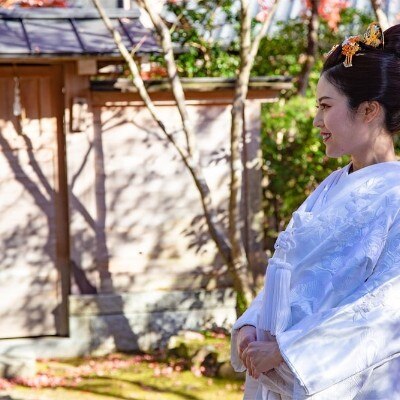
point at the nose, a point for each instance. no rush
(318, 120)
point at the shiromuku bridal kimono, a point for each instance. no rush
(332, 294)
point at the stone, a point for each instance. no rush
(14, 365)
(204, 353)
(177, 347)
(105, 347)
(128, 322)
(226, 371)
(206, 361)
(191, 335)
(185, 344)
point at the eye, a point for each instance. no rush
(322, 106)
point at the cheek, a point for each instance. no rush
(331, 122)
(337, 122)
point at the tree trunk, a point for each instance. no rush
(248, 51)
(236, 168)
(380, 14)
(311, 51)
(229, 246)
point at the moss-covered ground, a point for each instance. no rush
(121, 376)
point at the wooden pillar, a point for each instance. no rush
(252, 192)
(102, 256)
(62, 208)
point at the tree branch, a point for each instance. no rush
(166, 44)
(248, 51)
(189, 156)
(261, 33)
(380, 14)
(216, 233)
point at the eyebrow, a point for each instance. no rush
(323, 98)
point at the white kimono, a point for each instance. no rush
(340, 332)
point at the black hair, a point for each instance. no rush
(374, 76)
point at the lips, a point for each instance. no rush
(326, 136)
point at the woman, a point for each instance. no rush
(327, 324)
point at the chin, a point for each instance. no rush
(333, 153)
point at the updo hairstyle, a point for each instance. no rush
(374, 76)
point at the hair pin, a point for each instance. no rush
(351, 46)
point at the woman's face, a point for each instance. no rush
(341, 131)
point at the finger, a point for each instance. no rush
(255, 370)
(256, 374)
(249, 350)
(248, 359)
(245, 363)
(250, 370)
(242, 348)
(244, 343)
(244, 359)
(246, 354)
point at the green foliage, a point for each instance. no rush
(294, 159)
(193, 30)
(212, 61)
(281, 53)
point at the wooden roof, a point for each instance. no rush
(198, 90)
(276, 83)
(69, 31)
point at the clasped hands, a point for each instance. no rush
(257, 356)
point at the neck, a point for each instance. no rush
(382, 151)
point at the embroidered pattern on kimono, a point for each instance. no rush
(340, 318)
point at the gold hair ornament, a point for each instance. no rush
(351, 46)
(334, 47)
(374, 35)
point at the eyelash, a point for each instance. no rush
(322, 106)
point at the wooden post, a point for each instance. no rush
(102, 256)
(62, 205)
(252, 192)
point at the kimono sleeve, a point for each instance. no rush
(327, 347)
(249, 317)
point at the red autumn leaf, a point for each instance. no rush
(34, 3)
(329, 11)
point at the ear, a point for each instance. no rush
(370, 110)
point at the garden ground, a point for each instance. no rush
(129, 377)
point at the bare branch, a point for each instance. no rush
(175, 24)
(189, 161)
(235, 263)
(137, 79)
(138, 45)
(257, 39)
(166, 44)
